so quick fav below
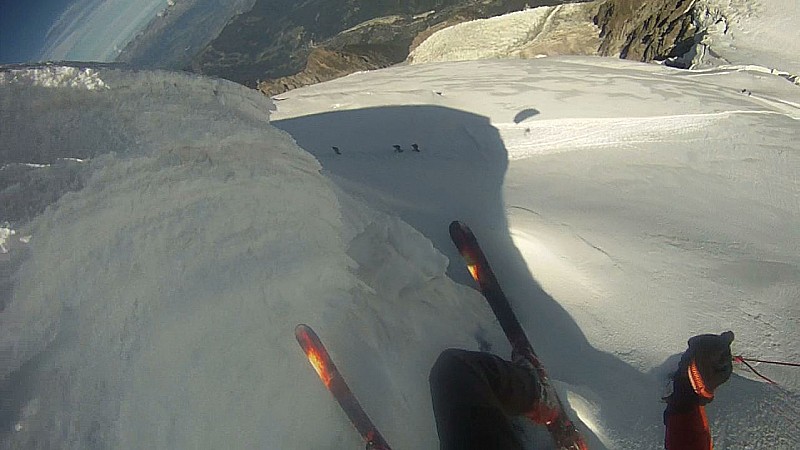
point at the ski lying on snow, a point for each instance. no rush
(321, 361)
(562, 430)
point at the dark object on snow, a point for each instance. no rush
(473, 394)
(397, 149)
(525, 114)
(563, 432)
(415, 147)
(705, 365)
(336, 150)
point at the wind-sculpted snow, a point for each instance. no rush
(154, 303)
(131, 113)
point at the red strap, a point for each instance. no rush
(739, 359)
(698, 384)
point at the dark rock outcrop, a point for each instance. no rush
(646, 30)
(323, 65)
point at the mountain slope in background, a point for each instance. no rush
(278, 46)
(167, 231)
(177, 271)
(275, 38)
(179, 32)
(154, 305)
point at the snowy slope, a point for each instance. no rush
(626, 207)
(154, 307)
(172, 238)
(764, 33)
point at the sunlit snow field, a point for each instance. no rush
(166, 232)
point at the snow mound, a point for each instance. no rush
(157, 304)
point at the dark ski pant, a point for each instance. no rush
(474, 394)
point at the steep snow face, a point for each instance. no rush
(625, 207)
(155, 303)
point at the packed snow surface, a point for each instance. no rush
(624, 206)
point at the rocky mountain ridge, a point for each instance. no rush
(646, 31)
(281, 45)
(283, 42)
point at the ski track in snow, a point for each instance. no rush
(556, 136)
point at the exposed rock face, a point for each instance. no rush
(646, 30)
(323, 65)
(285, 42)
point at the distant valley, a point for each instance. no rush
(278, 45)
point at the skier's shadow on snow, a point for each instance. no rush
(459, 174)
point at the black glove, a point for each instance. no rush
(705, 365)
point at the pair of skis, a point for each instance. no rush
(562, 429)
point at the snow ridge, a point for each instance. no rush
(156, 305)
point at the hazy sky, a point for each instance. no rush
(23, 26)
(78, 30)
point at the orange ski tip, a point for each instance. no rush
(318, 362)
(473, 270)
(314, 351)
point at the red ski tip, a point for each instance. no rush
(323, 364)
(474, 271)
(315, 352)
